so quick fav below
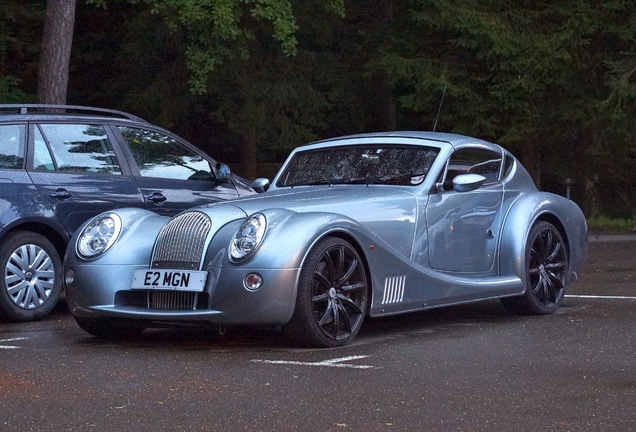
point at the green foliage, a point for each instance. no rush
(607, 225)
(552, 81)
(10, 91)
(20, 24)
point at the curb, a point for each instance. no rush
(611, 238)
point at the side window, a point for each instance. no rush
(508, 164)
(42, 159)
(76, 148)
(158, 155)
(473, 161)
(12, 146)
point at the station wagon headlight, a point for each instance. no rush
(98, 236)
(248, 237)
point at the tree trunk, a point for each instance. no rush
(384, 114)
(249, 156)
(531, 159)
(57, 41)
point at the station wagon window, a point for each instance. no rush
(473, 161)
(73, 148)
(159, 155)
(361, 164)
(12, 146)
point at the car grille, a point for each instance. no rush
(162, 300)
(171, 300)
(181, 242)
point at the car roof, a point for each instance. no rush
(21, 112)
(442, 138)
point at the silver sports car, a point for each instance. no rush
(364, 225)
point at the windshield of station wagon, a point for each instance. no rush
(364, 164)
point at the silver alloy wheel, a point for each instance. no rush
(29, 276)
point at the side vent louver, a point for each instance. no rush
(394, 289)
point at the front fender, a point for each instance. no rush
(136, 240)
(289, 237)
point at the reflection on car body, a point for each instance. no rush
(352, 227)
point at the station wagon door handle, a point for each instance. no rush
(61, 194)
(156, 197)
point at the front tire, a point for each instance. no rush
(332, 296)
(546, 272)
(30, 277)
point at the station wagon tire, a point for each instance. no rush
(30, 277)
(109, 329)
(332, 296)
(546, 272)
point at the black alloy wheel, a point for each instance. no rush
(332, 295)
(546, 272)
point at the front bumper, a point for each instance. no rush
(103, 291)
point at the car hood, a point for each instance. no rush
(388, 212)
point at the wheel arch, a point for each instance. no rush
(309, 229)
(59, 241)
(563, 214)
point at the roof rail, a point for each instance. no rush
(66, 109)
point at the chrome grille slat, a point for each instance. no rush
(172, 300)
(181, 242)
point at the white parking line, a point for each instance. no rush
(608, 297)
(337, 362)
(11, 340)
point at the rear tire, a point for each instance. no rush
(332, 296)
(546, 273)
(30, 277)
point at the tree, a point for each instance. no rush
(19, 21)
(509, 72)
(55, 56)
(233, 37)
(219, 32)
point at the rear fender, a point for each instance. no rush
(523, 214)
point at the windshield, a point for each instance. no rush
(363, 164)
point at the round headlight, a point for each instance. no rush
(248, 237)
(98, 235)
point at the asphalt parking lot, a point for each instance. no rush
(467, 368)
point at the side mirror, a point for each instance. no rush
(222, 172)
(260, 185)
(468, 182)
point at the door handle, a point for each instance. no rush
(156, 197)
(61, 194)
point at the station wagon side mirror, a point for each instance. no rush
(468, 182)
(260, 185)
(222, 172)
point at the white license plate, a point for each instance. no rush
(168, 279)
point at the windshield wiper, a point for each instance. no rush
(334, 182)
(311, 183)
(401, 178)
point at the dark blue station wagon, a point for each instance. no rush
(61, 165)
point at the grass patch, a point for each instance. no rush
(606, 225)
